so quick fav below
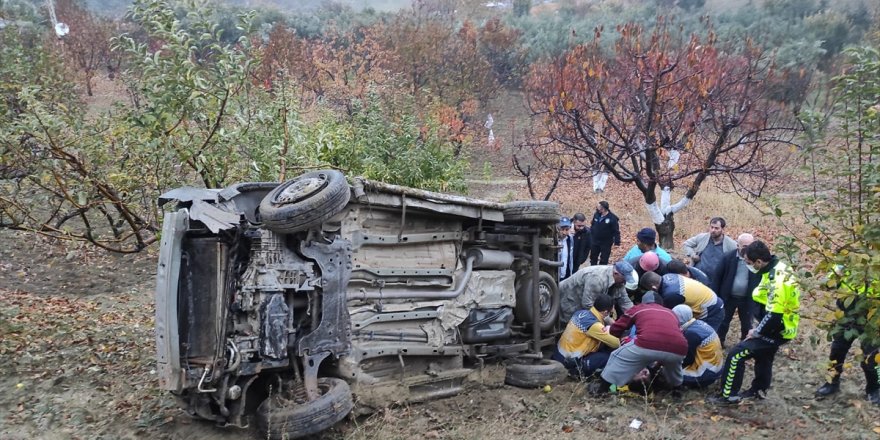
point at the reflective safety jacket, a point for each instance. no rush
(678, 289)
(585, 334)
(779, 294)
(844, 282)
(704, 350)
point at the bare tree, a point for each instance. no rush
(661, 111)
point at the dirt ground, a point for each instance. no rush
(77, 349)
(77, 362)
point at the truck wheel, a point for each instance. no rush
(532, 212)
(290, 415)
(548, 300)
(304, 202)
(525, 374)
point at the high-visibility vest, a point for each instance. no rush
(778, 292)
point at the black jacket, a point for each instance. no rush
(606, 231)
(723, 282)
(581, 248)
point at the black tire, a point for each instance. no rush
(526, 374)
(532, 212)
(548, 300)
(306, 201)
(293, 416)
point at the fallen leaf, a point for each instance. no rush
(715, 418)
(569, 428)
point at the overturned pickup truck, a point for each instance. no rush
(291, 305)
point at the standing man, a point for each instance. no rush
(842, 338)
(580, 290)
(605, 232)
(777, 289)
(646, 241)
(706, 250)
(734, 284)
(582, 242)
(566, 243)
(585, 345)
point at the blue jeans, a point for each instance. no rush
(702, 381)
(585, 366)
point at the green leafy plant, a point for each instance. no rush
(841, 252)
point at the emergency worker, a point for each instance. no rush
(778, 291)
(678, 289)
(586, 344)
(846, 330)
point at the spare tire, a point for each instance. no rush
(527, 374)
(290, 415)
(304, 202)
(548, 300)
(532, 212)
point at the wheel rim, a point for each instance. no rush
(545, 302)
(301, 189)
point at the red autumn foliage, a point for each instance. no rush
(659, 94)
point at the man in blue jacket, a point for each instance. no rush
(646, 241)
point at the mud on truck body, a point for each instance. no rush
(290, 305)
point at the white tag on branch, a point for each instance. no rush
(674, 155)
(61, 29)
(490, 121)
(599, 181)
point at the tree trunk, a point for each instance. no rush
(665, 231)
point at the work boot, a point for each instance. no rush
(752, 393)
(723, 401)
(828, 389)
(600, 388)
(874, 397)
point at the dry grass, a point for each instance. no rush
(492, 410)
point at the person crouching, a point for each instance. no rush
(705, 359)
(585, 344)
(658, 338)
